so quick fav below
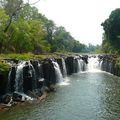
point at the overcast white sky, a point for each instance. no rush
(82, 18)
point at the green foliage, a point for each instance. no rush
(27, 56)
(23, 29)
(4, 66)
(111, 39)
(118, 62)
(78, 47)
(10, 6)
(3, 19)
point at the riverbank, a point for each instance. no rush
(33, 75)
(111, 64)
(18, 102)
(28, 77)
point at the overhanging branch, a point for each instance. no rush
(14, 12)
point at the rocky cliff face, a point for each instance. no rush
(109, 63)
(30, 75)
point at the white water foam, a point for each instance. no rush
(65, 82)
(64, 68)
(58, 72)
(93, 65)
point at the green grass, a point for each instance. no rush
(118, 62)
(30, 56)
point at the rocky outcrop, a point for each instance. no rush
(109, 64)
(25, 76)
(12, 75)
(48, 72)
(70, 65)
(4, 73)
(28, 78)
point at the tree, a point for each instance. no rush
(78, 47)
(63, 38)
(111, 27)
(50, 28)
(23, 29)
(12, 7)
(3, 20)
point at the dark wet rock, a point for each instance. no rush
(27, 77)
(49, 73)
(21, 97)
(6, 98)
(2, 85)
(70, 65)
(52, 88)
(11, 82)
(38, 72)
(35, 93)
(41, 82)
(76, 65)
(3, 82)
(85, 58)
(109, 64)
(17, 97)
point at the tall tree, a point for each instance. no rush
(3, 20)
(12, 8)
(111, 27)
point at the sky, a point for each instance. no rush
(82, 18)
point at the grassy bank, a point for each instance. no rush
(29, 56)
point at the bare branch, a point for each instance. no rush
(14, 12)
(34, 2)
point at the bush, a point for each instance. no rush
(118, 62)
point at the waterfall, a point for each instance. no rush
(9, 82)
(64, 68)
(100, 64)
(34, 81)
(58, 73)
(19, 77)
(39, 76)
(81, 65)
(93, 64)
(22, 74)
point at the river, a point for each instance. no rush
(86, 96)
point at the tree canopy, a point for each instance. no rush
(23, 29)
(111, 37)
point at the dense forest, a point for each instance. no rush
(23, 29)
(111, 36)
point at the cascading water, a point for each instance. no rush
(93, 64)
(81, 65)
(100, 63)
(8, 84)
(39, 76)
(58, 73)
(19, 77)
(64, 68)
(22, 74)
(11, 80)
(34, 82)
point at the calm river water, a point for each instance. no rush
(88, 96)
